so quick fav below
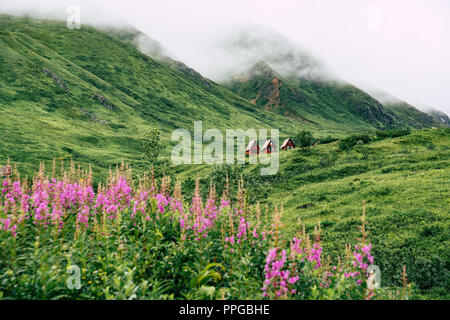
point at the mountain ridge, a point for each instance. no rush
(298, 62)
(308, 98)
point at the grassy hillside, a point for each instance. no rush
(85, 95)
(404, 181)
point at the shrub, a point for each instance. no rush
(304, 139)
(351, 141)
(151, 146)
(429, 273)
(392, 133)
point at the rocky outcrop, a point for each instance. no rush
(375, 113)
(102, 99)
(56, 79)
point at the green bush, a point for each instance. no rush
(392, 133)
(351, 141)
(304, 139)
(427, 273)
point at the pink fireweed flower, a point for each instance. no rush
(230, 240)
(278, 280)
(242, 230)
(83, 216)
(293, 280)
(199, 220)
(296, 247)
(7, 225)
(176, 205)
(255, 233)
(315, 255)
(224, 203)
(162, 202)
(5, 187)
(362, 259)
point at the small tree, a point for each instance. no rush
(304, 139)
(151, 146)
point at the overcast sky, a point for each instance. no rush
(401, 46)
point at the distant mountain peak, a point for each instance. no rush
(439, 116)
(319, 100)
(256, 46)
(277, 74)
(259, 68)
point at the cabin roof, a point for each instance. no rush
(266, 144)
(251, 144)
(285, 142)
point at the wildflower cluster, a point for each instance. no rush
(301, 270)
(278, 279)
(140, 239)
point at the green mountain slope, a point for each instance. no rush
(404, 112)
(410, 116)
(155, 50)
(86, 95)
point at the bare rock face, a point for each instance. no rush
(56, 79)
(102, 99)
(375, 113)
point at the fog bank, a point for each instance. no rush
(401, 47)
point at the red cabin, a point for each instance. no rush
(288, 144)
(252, 148)
(269, 147)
